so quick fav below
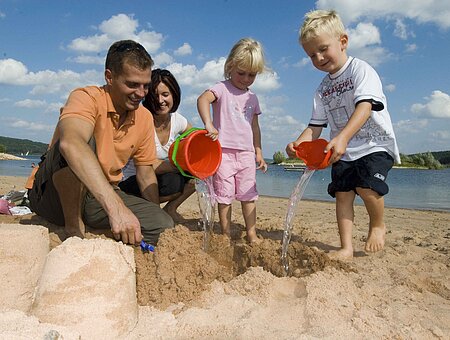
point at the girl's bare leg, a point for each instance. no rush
(225, 218)
(249, 212)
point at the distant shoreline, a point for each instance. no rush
(8, 157)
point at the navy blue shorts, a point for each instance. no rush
(168, 184)
(369, 172)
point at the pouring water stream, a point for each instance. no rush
(206, 202)
(295, 197)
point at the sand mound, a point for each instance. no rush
(89, 285)
(180, 270)
(23, 249)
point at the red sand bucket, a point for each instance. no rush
(312, 153)
(195, 153)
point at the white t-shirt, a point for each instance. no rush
(335, 101)
(178, 125)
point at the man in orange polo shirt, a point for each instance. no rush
(99, 129)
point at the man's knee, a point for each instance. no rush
(153, 226)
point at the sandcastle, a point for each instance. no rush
(84, 286)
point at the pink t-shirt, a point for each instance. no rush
(233, 112)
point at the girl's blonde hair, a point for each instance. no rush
(321, 21)
(248, 55)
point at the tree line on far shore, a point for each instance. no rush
(16, 146)
(427, 160)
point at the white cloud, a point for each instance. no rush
(118, 27)
(410, 126)
(87, 59)
(441, 135)
(54, 108)
(303, 62)
(266, 82)
(410, 48)
(364, 43)
(363, 35)
(12, 71)
(27, 125)
(162, 59)
(431, 11)
(2, 15)
(436, 106)
(186, 49)
(212, 72)
(30, 103)
(400, 30)
(198, 79)
(390, 87)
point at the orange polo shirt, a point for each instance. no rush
(115, 144)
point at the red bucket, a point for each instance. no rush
(312, 153)
(196, 154)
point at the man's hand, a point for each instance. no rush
(125, 226)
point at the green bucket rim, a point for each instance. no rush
(175, 150)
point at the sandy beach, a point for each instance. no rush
(98, 288)
(8, 157)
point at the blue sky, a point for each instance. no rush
(48, 48)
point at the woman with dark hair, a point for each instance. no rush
(162, 101)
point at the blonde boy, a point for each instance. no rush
(351, 101)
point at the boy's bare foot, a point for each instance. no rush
(375, 239)
(341, 255)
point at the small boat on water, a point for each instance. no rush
(294, 167)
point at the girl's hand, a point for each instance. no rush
(261, 164)
(212, 131)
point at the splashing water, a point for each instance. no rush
(206, 202)
(295, 197)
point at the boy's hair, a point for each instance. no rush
(248, 55)
(151, 101)
(321, 21)
(127, 51)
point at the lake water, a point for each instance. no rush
(408, 188)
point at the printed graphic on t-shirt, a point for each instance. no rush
(238, 113)
(334, 95)
(339, 117)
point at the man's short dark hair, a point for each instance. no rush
(151, 101)
(127, 51)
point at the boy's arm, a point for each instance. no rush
(309, 134)
(257, 145)
(203, 107)
(355, 123)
